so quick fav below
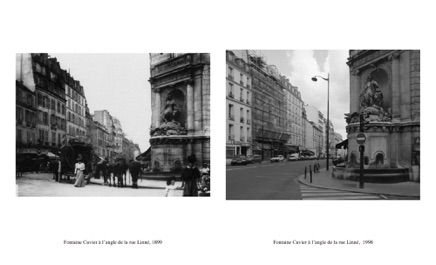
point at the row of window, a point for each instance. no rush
(27, 137)
(25, 117)
(243, 79)
(53, 120)
(52, 104)
(50, 86)
(26, 98)
(43, 137)
(75, 131)
(244, 97)
(75, 107)
(75, 96)
(75, 119)
(244, 134)
(242, 119)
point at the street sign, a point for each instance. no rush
(361, 138)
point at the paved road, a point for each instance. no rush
(266, 181)
(311, 193)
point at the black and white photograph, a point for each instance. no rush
(323, 124)
(113, 124)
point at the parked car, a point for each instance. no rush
(239, 160)
(293, 157)
(278, 158)
(254, 159)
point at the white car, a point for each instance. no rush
(278, 158)
(293, 157)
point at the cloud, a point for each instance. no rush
(304, 66)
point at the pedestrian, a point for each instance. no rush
(205, 172)
(135, 170)
(78, 170)
(190, 176)
(170, 190)
(55, 169)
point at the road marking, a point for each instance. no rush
(238, 168)
(311, 193)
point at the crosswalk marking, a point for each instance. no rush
(311, 193)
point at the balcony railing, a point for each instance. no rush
(241, 83)
(241, 99)
(231, 95)
(231, 77)
(248, 86)
(248, 121)
(232, 117)
(231, 137)
(242, 138)
(248, 102)
(242, 119)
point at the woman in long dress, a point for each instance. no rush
(78, 170)
(190, 176)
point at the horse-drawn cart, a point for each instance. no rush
(69, 154)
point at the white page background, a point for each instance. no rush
(213, 230)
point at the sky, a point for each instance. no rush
(301, 65)
(117, 83)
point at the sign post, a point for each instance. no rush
(361, 138)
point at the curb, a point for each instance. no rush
(341, 189)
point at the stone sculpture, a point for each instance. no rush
(170, 118)
(371, 104)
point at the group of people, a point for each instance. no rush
(190, 176)
(117, 169)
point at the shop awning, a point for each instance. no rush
(342, 144)
(146, 156)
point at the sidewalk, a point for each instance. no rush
(324, 180)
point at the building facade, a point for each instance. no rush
(268, 109)
(294, 114)
(25, 117)
(76, 110)
(317, 117)
(180, 103)
(99, 139)
(238, 107)
(104, 118)
(50, 95)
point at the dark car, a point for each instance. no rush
(251, 159)
(239, 160)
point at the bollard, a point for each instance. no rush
(305, 172)
(310, 171)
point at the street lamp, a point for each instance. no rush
(314, 79)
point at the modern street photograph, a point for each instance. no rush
(113, 124)
(323, 124)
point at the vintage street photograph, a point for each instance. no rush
(323, 125)
(113, 124)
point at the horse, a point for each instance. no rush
(102, 167)
(120, 171)
(111, 170)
